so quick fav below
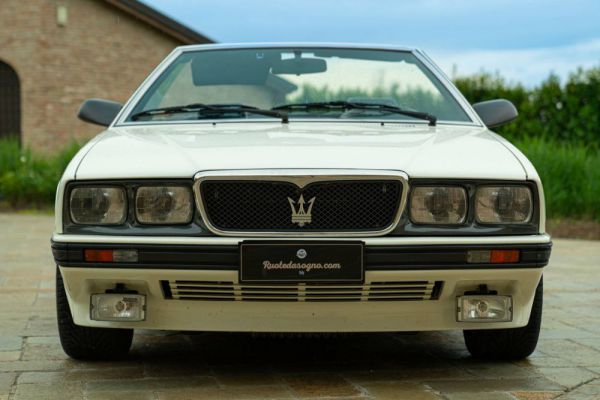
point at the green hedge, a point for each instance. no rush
(553, 111)
(29, 180)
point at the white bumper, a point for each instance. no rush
(299, 316)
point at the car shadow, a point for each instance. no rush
(297, 353)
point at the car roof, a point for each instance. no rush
(228, 46)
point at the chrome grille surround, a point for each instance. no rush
(230, 291)
(300, 178)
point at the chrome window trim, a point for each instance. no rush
(301, 178)
(120, 120)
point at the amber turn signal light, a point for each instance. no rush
(504, 256)
(107, 256)
(493, 256)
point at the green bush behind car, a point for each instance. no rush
(553, 111)
(29, 180)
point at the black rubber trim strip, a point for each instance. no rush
(377, 258)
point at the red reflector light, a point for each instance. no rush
(98, 255)
(504, 256)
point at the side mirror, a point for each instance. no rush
(496, 112)
(98, 111)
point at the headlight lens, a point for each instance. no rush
(98, 205)
(438, 205)
(163, 205)
(503, 205)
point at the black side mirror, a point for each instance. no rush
(496, 112)
(98, 111)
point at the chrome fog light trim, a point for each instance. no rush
(118, 307)
(484, 308)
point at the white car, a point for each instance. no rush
(299, 188)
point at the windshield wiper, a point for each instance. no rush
(348, 105)
(211, 108)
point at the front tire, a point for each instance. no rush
(85, 343)
(508, 344)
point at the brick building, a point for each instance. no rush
(56, 53)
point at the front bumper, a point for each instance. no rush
(438, 269)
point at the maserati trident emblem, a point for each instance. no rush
(300, 215)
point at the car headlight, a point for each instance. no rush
(160, 205)
(438, 205)
(98, 205)
(503, 205)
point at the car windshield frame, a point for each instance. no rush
(434, 73)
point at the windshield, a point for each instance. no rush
(299, 82)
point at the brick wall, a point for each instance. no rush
(100, 52)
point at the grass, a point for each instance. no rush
(570, 173)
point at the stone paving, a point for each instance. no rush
(172, 366)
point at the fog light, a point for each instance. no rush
(118, 307)
(484, 308)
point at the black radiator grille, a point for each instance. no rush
(344, 205)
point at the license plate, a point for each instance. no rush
(301, 262)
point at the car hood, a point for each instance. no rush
(181, 150)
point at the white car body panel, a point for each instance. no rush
(167, 151)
